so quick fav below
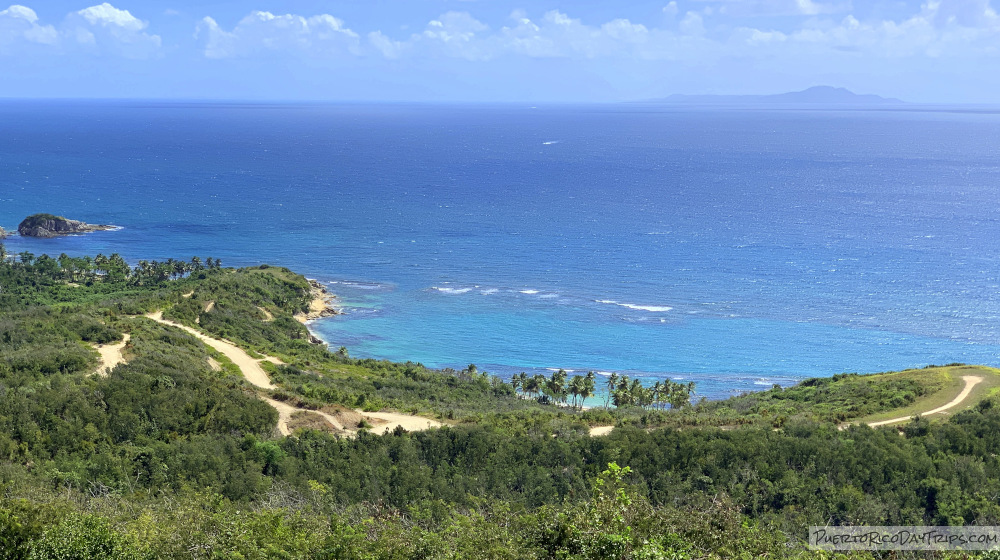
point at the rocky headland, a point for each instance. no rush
(320, 305)
(49, 225)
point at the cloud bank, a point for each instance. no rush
(694, 46)
(99, 29)
(318, 36)
(939, 28)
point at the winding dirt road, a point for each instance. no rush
(250, 367)
(970, 382)
(382, 422)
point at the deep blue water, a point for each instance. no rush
(732, 248)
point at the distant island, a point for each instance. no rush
(818, 95)
(49, 225)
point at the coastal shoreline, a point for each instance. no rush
(321, 305)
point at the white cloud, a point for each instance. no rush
(321, 35)
(106, 29)
(965, 13)
(960, 30)
(20, 24)
(386, 46)
(792, 37)
(825, 30)
(554, 35)
(106, 15)
(456, 34)
(100, 29)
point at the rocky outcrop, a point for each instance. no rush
(320, 305)
(48, 225)
(3, 233)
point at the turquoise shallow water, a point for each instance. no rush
(735, 249)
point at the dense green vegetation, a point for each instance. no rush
(39, 219)
(168, 457)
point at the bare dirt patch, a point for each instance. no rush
(111, 355)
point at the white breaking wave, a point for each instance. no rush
(452, 290)
(357, 285)
(653, 308)
(650, 308)
(529, 292)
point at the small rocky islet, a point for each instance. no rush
(50, 225)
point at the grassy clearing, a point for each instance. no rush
(944, 384)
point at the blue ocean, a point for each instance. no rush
(732, 248)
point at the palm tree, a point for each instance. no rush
(535, 383)
(515, 382)
(577, 386)
(612, 383)
(556, 386)
(87, 267)
(624, 383)
(101, 264)
(589, 386)
(67, 265)
(180, 267)
(680, 395)
(619, 397)
(688, 391)
(118, 269)
(635, 392)
(657, 394)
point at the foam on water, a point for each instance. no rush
(452, 290)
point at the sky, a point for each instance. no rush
(933, 51)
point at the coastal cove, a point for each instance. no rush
(466, 234)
